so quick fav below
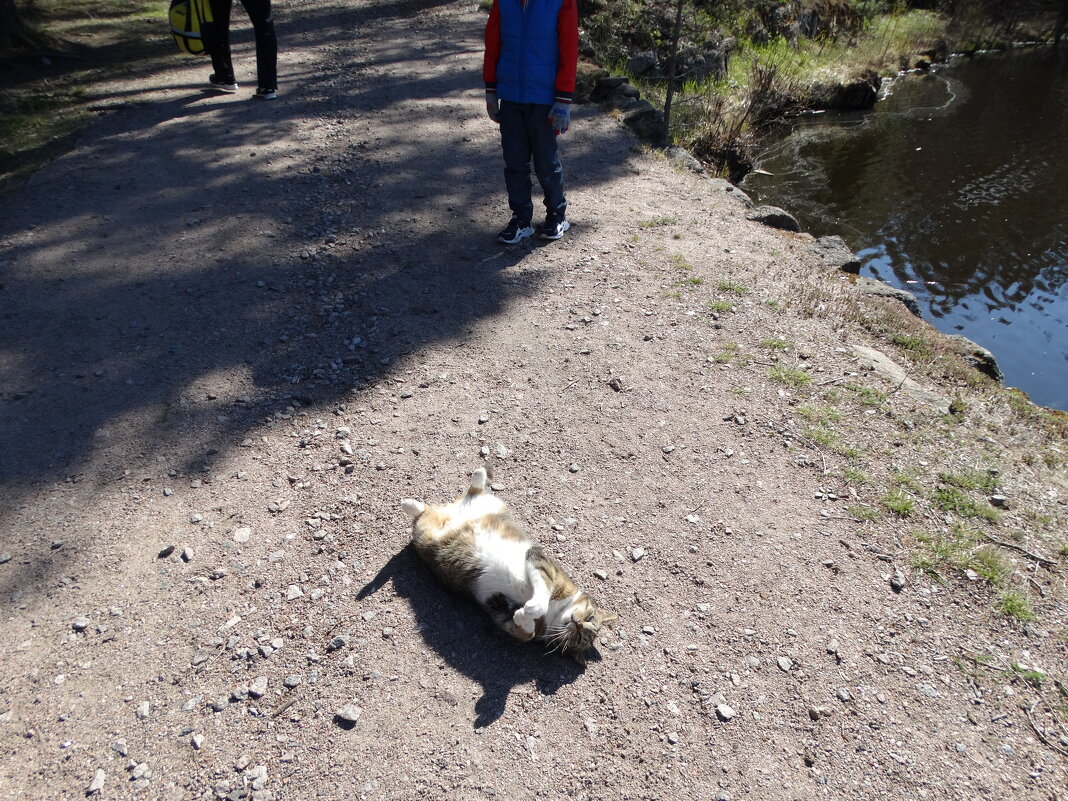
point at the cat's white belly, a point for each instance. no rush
(504, 568)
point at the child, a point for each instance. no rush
(259, 12)
(529, 70)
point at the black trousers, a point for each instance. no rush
(527, 136)
(259, 12)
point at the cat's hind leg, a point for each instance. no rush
(412, 507)
(478, 481)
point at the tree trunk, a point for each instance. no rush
(1062, 22)
(13, 31)
(671, 66)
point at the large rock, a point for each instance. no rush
(854, 96)
(685, 158)
(895, 375)
(646, 121)
(869, 286)
(977, 356)
(727, 188)
(774, 217)
(625, 96)
(836, 254)
(642, 63)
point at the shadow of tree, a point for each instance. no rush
(198, 263)
(462, 634)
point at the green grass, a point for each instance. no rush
(657, 222)
(854, 477)
(732, 288)
(970, 480)
(863, 512)
(831, 441)
(728, 354)
(679, 262)
(918, 346)
(866, 395)
(775, 344)
(898, 503)
(44, 104)
(720, 306)
(1015, 604)
(790, 377)
(821, 415)
(951, 499)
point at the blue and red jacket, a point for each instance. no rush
(532, 50)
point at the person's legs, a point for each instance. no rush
(547, 166)
(516, 147)
(219, 46)
(259, 12)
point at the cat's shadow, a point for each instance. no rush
(462, 634)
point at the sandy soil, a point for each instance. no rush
(236, 334)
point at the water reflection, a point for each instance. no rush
(955, 189)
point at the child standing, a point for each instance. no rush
(259, 13)
(529, 69)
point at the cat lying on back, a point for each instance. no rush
(475, 547)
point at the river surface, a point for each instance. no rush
(955, 187)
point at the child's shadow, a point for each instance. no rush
(462, 634)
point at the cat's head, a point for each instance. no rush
(584, 624)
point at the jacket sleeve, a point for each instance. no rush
(567, 37)
(493, 48)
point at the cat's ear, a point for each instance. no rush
(413, 508)
(607, 620)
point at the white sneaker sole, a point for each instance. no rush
(564, 226)
(520, 235)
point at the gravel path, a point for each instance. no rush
(236, 334)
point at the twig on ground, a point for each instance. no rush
(284, 706)
(1041, 735)
(1013, 547)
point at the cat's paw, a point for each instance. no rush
(413, 508)
(523, 621)
(535, 610)
(478, 479)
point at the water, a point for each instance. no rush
(955, 187)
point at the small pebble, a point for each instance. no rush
(724, 712)
(80, 623)
(97, 784)
(636, 554)
(784, 664)
(197, 741)
(350, 713)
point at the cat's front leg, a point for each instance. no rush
(532, 611)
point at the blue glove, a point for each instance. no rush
(560, 117)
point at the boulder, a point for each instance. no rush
(685, 158)
(642, 63)
(725, 186)
(977, 356)
(646, 121)
(774, 217)
(855, 96)
(869, 286)
(836, 254)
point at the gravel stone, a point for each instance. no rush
(349, 713)
(784, 663)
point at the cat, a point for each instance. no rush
(477, 550)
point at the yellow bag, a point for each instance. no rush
(192, 26)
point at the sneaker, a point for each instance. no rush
(266, 94)
(553, 227)
(222, 84)
(515, 231)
